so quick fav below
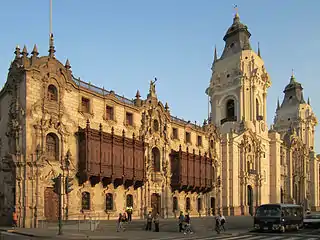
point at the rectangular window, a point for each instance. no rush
(85, 105)
(129, 119)
(188, 137)
(199, 140)
(174, 133)
(109, 113)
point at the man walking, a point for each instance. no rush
(129, 211)
(222, 222)
(181, 221)
(149, 222)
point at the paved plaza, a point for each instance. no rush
(237, 228)
(304, 234)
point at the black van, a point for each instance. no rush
(278, 217)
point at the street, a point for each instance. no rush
(238, 228)
(301, 235)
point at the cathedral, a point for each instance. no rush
(116, 152)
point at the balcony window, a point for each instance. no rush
(188, 137)
(129, 119)
(85, 105)
(109, 113)
(174, 133)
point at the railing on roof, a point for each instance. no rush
(184, 122)
(101, 91)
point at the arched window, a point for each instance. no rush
(52, 93)
(52, 146)
(199, 204)
(175, 204)
(230, 114)
(211, 143)
(156, 159)
(155, 125)
(188, 204)
(257, 108)
(85, 203)
(129, 200)
(109, 201)
(214, 174)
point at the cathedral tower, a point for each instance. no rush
(239, 83)
(296, 114)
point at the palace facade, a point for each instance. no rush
(121, 152)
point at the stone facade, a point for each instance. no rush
(43, 106)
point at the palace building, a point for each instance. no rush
(119, 152)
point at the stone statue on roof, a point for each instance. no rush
(152, 89)
(153, 86)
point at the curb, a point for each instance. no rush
(73, 236)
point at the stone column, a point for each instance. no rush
(169, 200)
(264, 106)
(253, 103)
(314, 188)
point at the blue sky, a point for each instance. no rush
(123, 44)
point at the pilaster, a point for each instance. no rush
(275, 170)
(314, 179)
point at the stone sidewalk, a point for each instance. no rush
(132, 235)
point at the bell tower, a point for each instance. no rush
(296, 114)
(239, 82)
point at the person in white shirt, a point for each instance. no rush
(222, 221)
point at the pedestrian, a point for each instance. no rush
(149, 222)
(181, 221)
(14, 219)
(222, 222)
(129, 211)
(156, 222)
(120, 223)
(217, 228)
(124, 217)
(187, 223)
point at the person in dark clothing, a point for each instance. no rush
(149, 222)
(222, 222)
(156, 222)
(218, 224)
(187, 222)
(181, 221)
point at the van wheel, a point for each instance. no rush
(282, 229)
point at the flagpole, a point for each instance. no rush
(50, 20)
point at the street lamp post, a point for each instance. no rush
(68, 155)
(219, 192)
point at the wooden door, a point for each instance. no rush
(51, 205)
(156, 203)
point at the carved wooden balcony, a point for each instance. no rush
(191, 172)
(110, 157)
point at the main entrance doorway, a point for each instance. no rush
(250, 200)
(213, 206)
(51, 205)
(156, 203)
